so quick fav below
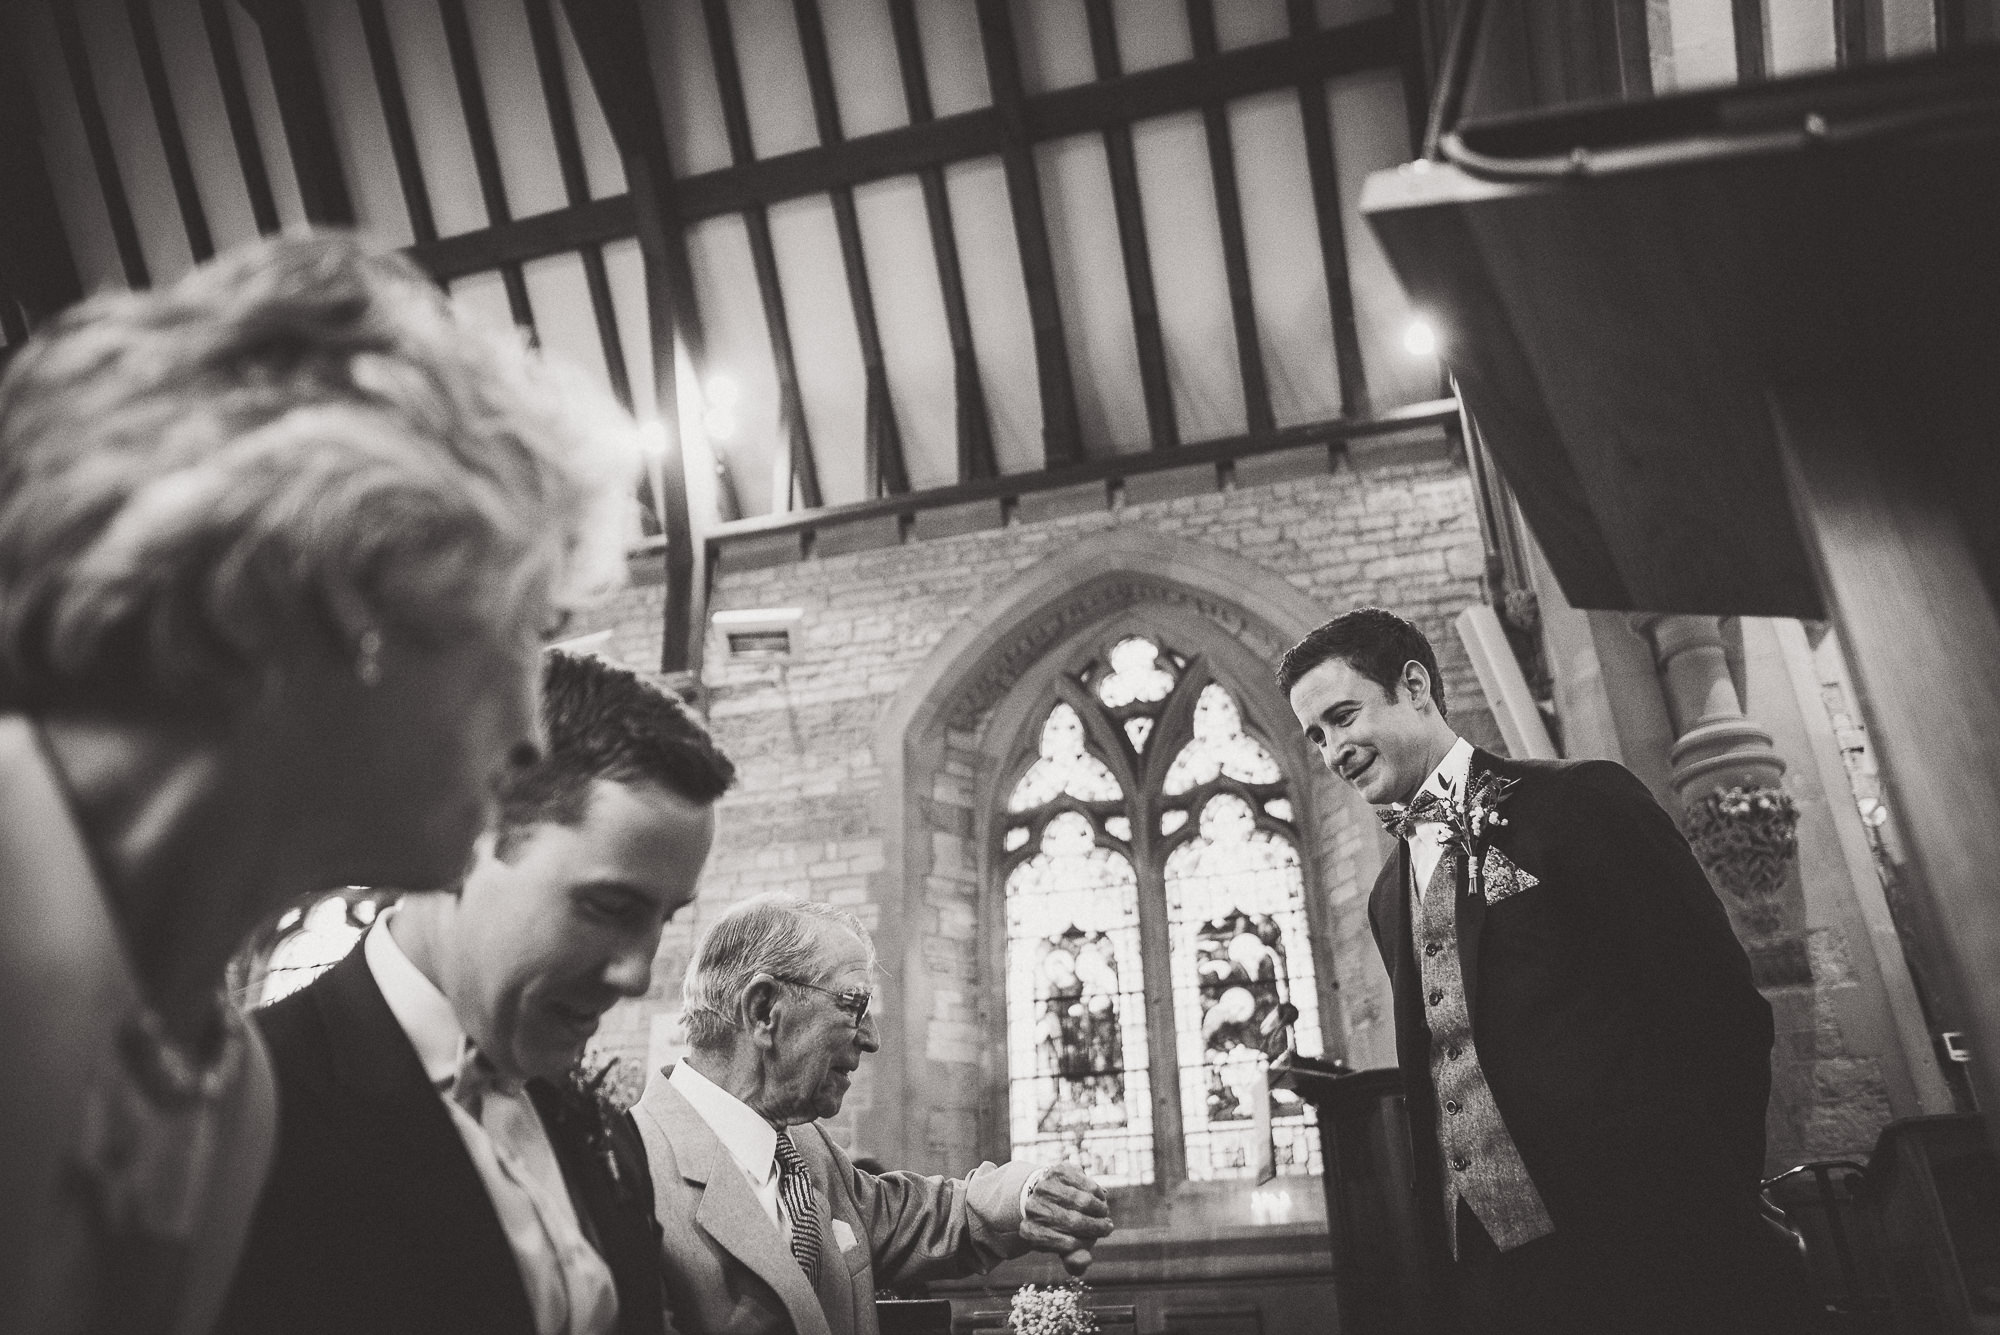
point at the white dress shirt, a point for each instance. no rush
(570, 1289)
(1427, 840)
(751, 1141)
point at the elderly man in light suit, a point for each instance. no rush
(767, 1225)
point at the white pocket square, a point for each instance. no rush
(843, 1235)
(1501, 879)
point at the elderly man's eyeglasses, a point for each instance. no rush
(853, 1002)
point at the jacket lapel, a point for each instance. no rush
(728, 1210)
(1471, 904)
(616, 1217)
(419, 1169)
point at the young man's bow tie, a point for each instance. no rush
(1400, 820)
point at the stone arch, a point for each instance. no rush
(941, 742)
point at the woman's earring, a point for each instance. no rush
(368, 657)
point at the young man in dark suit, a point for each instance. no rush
(1586, 1060)
(438, 1167)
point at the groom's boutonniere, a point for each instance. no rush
(596, 1096)
(1471, 823)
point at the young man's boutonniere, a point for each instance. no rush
(597, 1095)
(1470, 824)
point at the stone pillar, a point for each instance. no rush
(1717, 747)
(1748, 849)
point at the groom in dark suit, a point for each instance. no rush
(438, 1167)
(1586, 1060)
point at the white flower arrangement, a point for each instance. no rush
(1051, 1309)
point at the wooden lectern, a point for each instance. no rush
(1738, 352)
(1379, 1276)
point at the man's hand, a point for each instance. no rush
(1064, 1211)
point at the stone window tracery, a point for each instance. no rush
(1156, 938)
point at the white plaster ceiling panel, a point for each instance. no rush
(909, 312)
(997, 302)
(1090, 288)
(1184, 239)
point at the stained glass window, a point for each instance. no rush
(1236, 918)
(1146, 799)
(1076, 1007)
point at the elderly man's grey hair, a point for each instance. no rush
(296, 434)
(772, 933)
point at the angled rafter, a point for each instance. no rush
(76, 57)
(1235, 246)
(885, 469)
(236, 107)
(975, 427)
(1850, 32)
(1748, 17)
(1950, 17)
(153, 70)
(611, 38)
(576, 184)
(302, 108)
(485, 153)
(1061, 438)
(1132, 244)
(396, 116)
(1332, 231)
(804, 472)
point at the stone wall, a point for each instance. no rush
(820, 809)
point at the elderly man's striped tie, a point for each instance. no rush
(796, 1189)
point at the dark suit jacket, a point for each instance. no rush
(374, 1218)
(1612, 1011)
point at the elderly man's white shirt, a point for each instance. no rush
(751, 1141)
(570, 1288)
(1428, 839)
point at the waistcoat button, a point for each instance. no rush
(1437, 995)
(1460, 1162)
(1431, 948)
(1451, 1106)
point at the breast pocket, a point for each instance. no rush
(852, 1250)
(1500, 879)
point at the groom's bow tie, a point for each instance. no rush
(1400, 820)
(475, 1079)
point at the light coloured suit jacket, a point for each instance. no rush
(728, 1270)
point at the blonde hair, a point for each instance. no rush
(185, 473)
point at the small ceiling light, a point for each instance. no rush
(723, 391)
(1420, 339)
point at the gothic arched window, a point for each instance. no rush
(1156, 944)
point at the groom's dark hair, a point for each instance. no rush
(604, 722)
(1374, 641)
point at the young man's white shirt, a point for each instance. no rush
(1427, 840)
(569, 1286)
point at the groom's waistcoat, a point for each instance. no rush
(1479, 1160)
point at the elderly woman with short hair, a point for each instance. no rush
(277, 547)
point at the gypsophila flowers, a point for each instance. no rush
(1052, 1309)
